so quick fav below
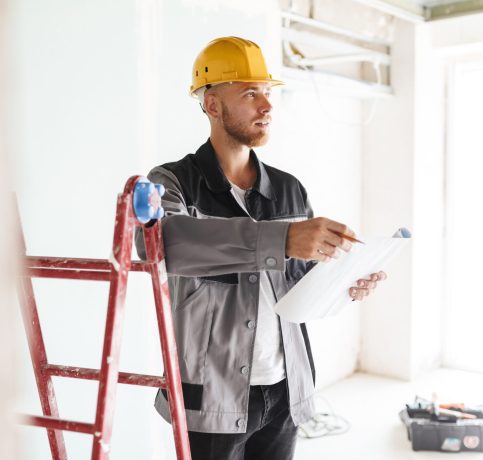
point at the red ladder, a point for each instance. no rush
(114, 271)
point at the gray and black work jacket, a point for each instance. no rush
(214, 255)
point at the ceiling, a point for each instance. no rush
(431, 3)
(426, 10)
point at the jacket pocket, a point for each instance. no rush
(231, 278)
(192, 395)
(197, 295)
(192, 322)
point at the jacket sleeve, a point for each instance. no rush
(310, 215)
(298, 268)
(213, 246)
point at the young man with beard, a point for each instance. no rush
(238, 235)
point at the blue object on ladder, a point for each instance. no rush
(147, 200)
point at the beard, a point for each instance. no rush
(241, 133)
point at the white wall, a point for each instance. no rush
(404, 184)
(101, 94)
(457, 42)
(388, 204)
(75, 141)
(429, 205)
(8, 268)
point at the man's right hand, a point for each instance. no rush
(314, 239)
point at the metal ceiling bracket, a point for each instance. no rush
(455, 9)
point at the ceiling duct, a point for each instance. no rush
(338, 39)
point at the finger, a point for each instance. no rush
(337, 241)
(364, 283)
(346, 245)
(321, 257)
(331, 239)
(341, 228)
(329, 250)
(374, 276)
(382, 275)
(358, 293)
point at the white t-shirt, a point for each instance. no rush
(268, 362)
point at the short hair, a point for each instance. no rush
(200, 95)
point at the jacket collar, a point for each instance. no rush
(216, 179)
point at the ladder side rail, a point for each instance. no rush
(38, 354)
(155, 254)
(109, 372)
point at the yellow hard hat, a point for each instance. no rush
(230, 59)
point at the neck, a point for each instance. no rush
(234, 159)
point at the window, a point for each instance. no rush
(464, 248)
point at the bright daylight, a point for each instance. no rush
(241, 230)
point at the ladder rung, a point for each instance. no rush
(57, 424)
(93, 374)
(71, 263)
(139, 266)
(79, 264)
(91, 275)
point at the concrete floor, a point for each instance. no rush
(371, 405)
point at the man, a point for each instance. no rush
(238, 235)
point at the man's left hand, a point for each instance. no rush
(365, 286)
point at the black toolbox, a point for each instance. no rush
(458, 436)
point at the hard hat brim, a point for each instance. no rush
(241, 80)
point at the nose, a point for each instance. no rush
(265, 106)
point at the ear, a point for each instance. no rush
(212, 105)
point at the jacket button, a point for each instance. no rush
(251, 324)
(244, 370)
(240, 423)
(253, 278)
(271, 261)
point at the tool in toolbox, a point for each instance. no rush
(140, 203)
(450, 427)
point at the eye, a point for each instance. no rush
(251, 94)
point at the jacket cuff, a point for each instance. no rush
(271, 242)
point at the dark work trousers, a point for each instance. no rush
(271, 433)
